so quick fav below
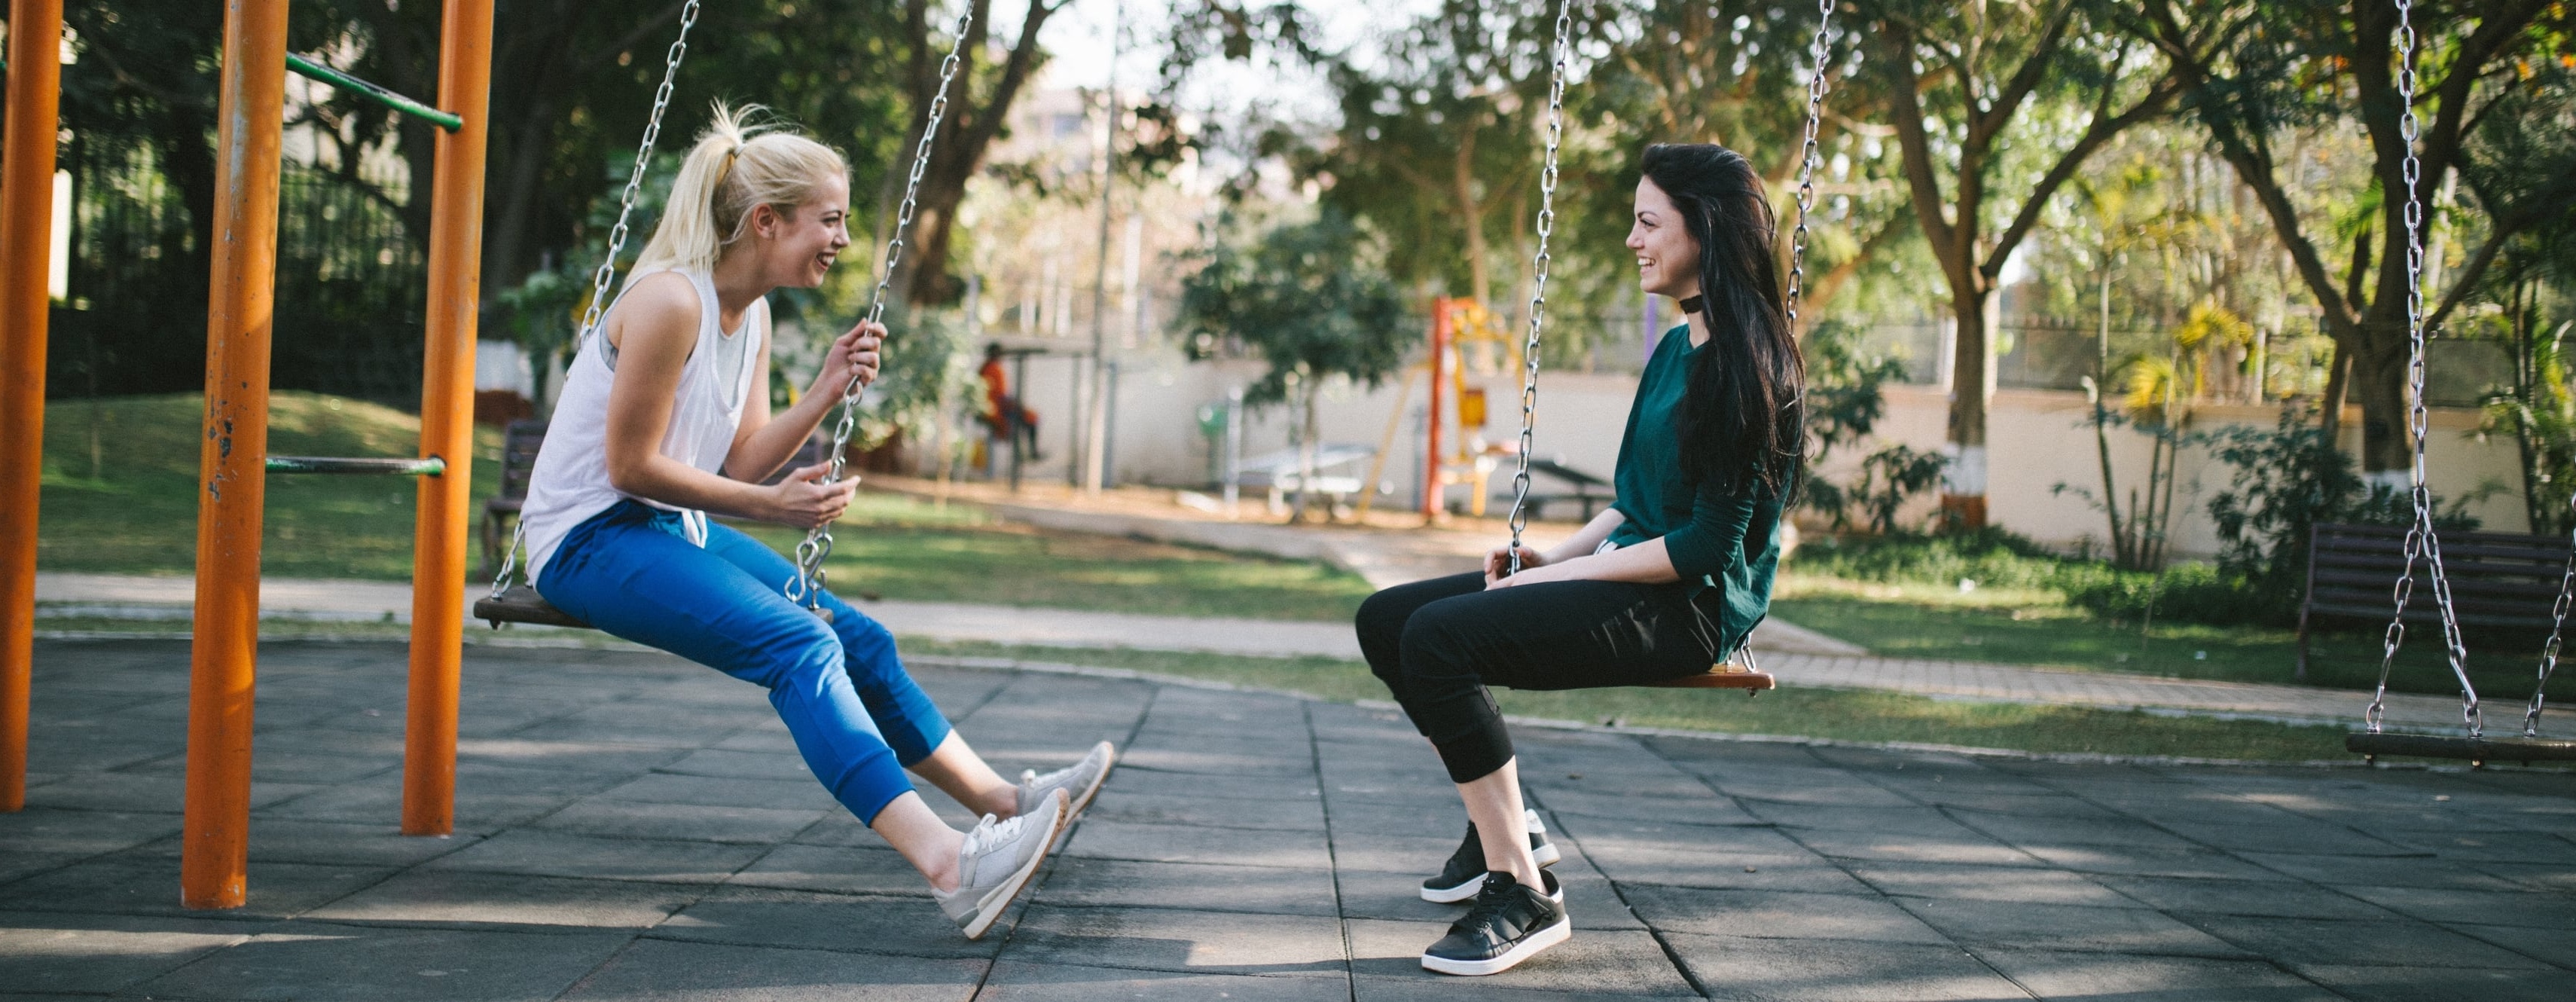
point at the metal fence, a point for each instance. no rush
(350, 285)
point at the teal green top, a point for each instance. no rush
(1727, 542)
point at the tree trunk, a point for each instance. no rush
(1471, 218)
(1306, 453)
(2379, 382)
(1972, 383)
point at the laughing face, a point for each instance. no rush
(1667, 256)
(800, 245)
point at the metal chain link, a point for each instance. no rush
(1538, 275)
(807, 586)
(2557, 624)
(2421, 538)
(1808, 157)
(606, 273)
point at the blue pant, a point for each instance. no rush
(856, 716)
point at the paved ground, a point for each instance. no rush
(1798, 656)
(634, 827)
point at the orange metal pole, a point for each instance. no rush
(447, 423)
(214, 850)
(26, 249)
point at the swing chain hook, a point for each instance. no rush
(1563, 52)
(806, 587)
(606, 273)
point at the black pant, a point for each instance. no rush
(1437, 644)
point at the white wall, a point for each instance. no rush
(2036, 439)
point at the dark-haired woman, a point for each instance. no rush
(1666, 582)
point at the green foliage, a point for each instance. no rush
(2288, 479)
(1310, 298)
(1844, 402)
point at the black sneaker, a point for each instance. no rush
(1466, 869)
(1508, 924)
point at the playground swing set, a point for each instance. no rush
(214, 853)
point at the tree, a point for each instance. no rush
(958, 151)
(2001, 96)
(1314, 300)
(2256, 70)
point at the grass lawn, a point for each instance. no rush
(2035, 627)
(896, 547)
(1842, 714)
(134, 511)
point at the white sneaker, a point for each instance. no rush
(997, 861)
(1079, 781)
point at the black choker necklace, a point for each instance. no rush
(1695, 304)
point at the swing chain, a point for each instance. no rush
(807, 586)
(2557, 624)
(1538, 275)
(2422, 540)
(606, 273)
(1808, 157)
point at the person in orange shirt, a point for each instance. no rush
(1003, 412)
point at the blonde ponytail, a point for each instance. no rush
(737, 165)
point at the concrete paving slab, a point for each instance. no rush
(1788, 970)
(2032, 884)
(356, 964)
(2095, 977)
(1777, 914)
(1018, 981)
(2069, 928)
(516, 901)
(651, 970)
(37, 828)
(1608, 963)
(2426, 984)
(1277, 814)
(631, 819)
(2257, 899)
(143, 792)
(146, 884)
(2526, 910)
(1165, 939)
(773, 917)
(2129, 861)
(94, 954)
(724, 791)
(1722, 846)
(2396, 942)
(2365, 871)
(862, 869)
(2552, 945)
(545, 853)
(1077, 881)
(1187, 844)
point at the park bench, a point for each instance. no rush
(2498, 579)
(1590, 491)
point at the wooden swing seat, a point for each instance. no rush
(1723, 676)
(2475, 751)
(522, 604)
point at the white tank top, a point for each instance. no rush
(570, 481)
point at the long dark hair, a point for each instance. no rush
(1742, 420)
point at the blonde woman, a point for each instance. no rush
(665, 419)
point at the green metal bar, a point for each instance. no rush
(430, 467)
(397, 102)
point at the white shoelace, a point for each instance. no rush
(991, 833)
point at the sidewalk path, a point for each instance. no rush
(634, 828)
(1797, 656)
